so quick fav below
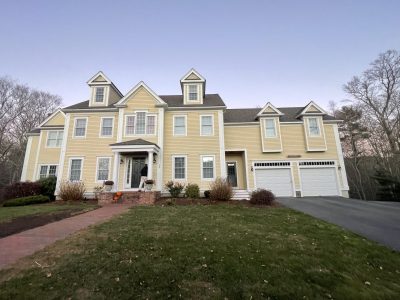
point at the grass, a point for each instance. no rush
(9, 213)
(204, 252)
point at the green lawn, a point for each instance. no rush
(204, 252)
(9, 213)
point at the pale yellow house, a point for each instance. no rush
(191, 137)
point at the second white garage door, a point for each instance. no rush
(279, 181)
(319, 181)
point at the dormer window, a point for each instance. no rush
(99, 97)
(193, 92)
(313, 127)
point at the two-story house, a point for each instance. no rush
(191, 137)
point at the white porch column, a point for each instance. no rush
(116, 170)
(150, 166)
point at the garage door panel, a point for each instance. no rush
(319, 181)
(279, 181)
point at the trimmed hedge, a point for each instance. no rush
(192, 191)
(27, 201)
(22, 189)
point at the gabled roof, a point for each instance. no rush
(136, 142)
(306, 109)
(51, 116)
(85, 105)
(192, 71)
(134, 89)
(92, 80)
(270, 110)
(209, 100)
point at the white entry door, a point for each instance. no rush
(278, 181)
(319, 181)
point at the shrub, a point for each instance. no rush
(72, 191)
(174, 188)
(22, 189)
(37, 199)
(262, 197)
(192, 191)
(207, 194)
(220, 189)
(48, 186)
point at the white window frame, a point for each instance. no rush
(48, 170)
(173, 125)
(58, 132)
(201, 125)
(86, 126)
(275, 128)
(309, 127)
(173, 167)
(97, 169)
(197, 92)
(101, 127)
(95, 94)
(69, 166)
(145, 124)
(201, 167)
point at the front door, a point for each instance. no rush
(137, 166)
(231, 172)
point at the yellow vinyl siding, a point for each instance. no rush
(99, 79)
(192, 145)
(312, 109)
(314, 143)
(32, 158)
(240, 169)
(47, 155)
(293, 142)
(58, 119)
(186, 93)
(271, 144)
(192, 76)
(113, 96)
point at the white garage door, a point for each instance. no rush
(279, 181)
(319, 181)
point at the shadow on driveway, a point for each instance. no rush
(377, 221)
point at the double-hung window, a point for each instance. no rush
(99, 96)
(151, 125)
(107, 126)
(193, 92)
(270, 128)
(130, 125)
(313, 127)
(179, 125)
(75, 169)
(140, 123)
(54, 138)
(207, 167)
(103, 168)
(179, 167)
(80, 127)
(47, 171)
(207, 125)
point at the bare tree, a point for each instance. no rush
(21, 109)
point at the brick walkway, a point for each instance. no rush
(25, 243)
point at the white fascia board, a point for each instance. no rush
(134, 89)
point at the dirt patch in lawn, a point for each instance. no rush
(23, 223)
(203, 201)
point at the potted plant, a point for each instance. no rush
(149, 184)
(108, 184)
(97, 190)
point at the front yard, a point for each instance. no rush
(216, 251)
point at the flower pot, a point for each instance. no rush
(148, 187)
(108, 188)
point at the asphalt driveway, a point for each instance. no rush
(377, 221)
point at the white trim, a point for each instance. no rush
(190, 108)
(221, 136)
(173, 124)
(236, 171)
(269, 105)
(52, 116)
(120, 130)
(134, 148)
(26, 158)
(243, 124)
(192, 70)
(312, 103)
(307, 119)
(86, 127)
(101, 127)
(338, 190)
(62, 154)
(246, 166)
(341, 159)
(307, 136)
(97, 169)
(265, 128)
(82, 158)
(263, 135)
(37, 154)
(37, 176)
(160, 156)
(173, 167)
(198, 90)
(47, 137)
(106, 94)
(134, 89)
(134, 114)
(100, 73)
(201, 124)
(201, 167)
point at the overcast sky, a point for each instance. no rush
(250, 52)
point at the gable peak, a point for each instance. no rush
(312, 109)
(269, 110)
(193, 75)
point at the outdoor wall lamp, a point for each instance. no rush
(121, 161)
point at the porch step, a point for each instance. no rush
(240, 195)
(130, 197)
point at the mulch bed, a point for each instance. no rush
(28, 222)
(203, 201)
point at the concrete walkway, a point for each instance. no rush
(25, 243)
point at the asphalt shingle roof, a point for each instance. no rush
(177, 101)
(136, 142)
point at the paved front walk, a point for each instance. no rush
(377, 221)
(25, 243)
